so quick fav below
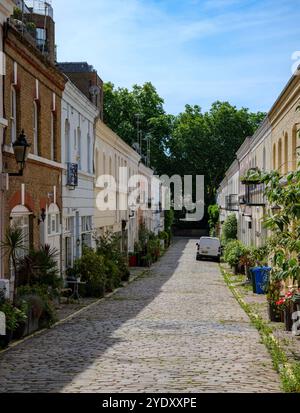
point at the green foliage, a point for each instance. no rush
(38, 299)
(289, 373)
(234, 251)
(259, 255)
(229, 229)
(284, 192)
(214, 214)
(14, 316)
(192, 142)
(109, 247)
(17, 13)
(92, 270)
(40, 267)
(169, 220)
(103, 269)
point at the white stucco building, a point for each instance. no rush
(78, 140)
(111, 154)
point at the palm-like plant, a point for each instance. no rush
(13, 243)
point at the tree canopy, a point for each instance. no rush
(193, 142)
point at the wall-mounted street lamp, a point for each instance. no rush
(20, 148)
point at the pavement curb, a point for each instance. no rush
(284, 368)
(69, 317)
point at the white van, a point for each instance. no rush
(209, 247)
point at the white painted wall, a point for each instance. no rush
(78, 138)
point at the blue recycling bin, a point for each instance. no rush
(260, 278)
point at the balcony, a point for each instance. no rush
(72, 175)
(254, 195)
(232, 202)
(43, 8)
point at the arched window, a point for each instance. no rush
(35, 128)
(279, 163)
(53, 220)
(274, 156)
(264, 162)
(110, 166)
(13, 114)
(286, 149)
(67, 142)
(19, 218)
(294, 148)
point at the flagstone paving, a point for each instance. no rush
(176, 329)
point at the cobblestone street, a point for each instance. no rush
(176, 329)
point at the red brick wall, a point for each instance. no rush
(39, 178)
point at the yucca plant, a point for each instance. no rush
(13, 243)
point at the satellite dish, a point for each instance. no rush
(94, 90)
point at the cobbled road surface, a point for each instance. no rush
(177, 329)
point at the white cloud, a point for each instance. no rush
(221, 51)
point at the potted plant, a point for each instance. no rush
(275, 310)
(252, 177)
(13, 317)
(288, 304)
(132, 259)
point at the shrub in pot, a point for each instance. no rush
(233, 253)
(13, 317)
(40, 309)
(273, 298)
(91, 268)
(229, 229)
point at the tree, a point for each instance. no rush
(229, 229)
(214, 214)
(191, 143)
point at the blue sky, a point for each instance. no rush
(193, 51)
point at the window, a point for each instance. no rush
(13, 115)
(86, 231)
(35, 129)
(104, 169)
(274, 156)
(264, 159)
(69, 224)
(294, 148)
(86, 224)
(78, 146)
(67, 141)
(69, 228)
(53, 218)
(41, 38)
(286, 148)
(279, 155)
(20, 219)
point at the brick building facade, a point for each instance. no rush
(32, 100)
